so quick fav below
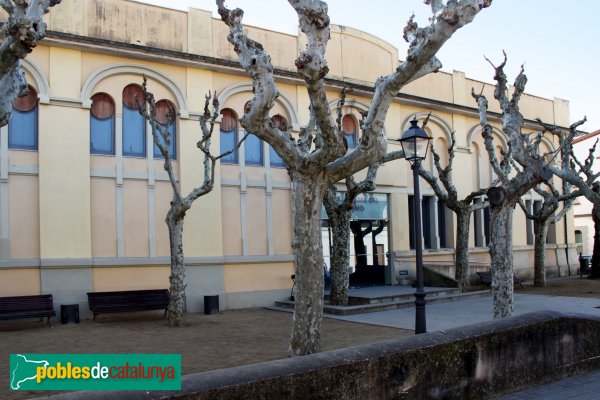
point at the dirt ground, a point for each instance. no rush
(206, 342)
(573, 287)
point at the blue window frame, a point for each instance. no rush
(228, 136)
(172, 130)
(102, 125)
(22, 130)
(228, 140)
(23, 123)
(165, 116)
(274, 159)
(134, 133)
(134, 125)
(253, 153)
(102, 135)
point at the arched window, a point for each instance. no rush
(253, 154)
(23, 123)
(275, 160)
(165, 116)
(134, 125)
(229, 136)
(349, 130)
(579, 241)
(102, 125)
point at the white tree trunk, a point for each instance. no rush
(177, 277)
(502, 260)
(595, 273)
(461, 255)
(340, 256)
(540, 229)
(307, 197)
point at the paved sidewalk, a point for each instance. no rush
(582, 387)
(467, 312)
(460, 313)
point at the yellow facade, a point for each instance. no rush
(74, 222)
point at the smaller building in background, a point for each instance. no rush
(584, 225)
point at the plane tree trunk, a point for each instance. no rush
(307, 197)
(461, 255)
(177, 278)
(502, 260)
(339, 221)
(595, 273)
(540, 233)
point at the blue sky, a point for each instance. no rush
(557, 40)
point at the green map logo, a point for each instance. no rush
(95, 372)
(23, 370)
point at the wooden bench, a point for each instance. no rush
(128, 300)
(486, 278)
(36, 306)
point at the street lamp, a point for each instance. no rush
(415, 143)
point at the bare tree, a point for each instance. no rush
(22, 31)
(315, 163)
(581, 175)
(542, 217)
(447, 193)
(531, 170)
(181, 204)
(339, 212)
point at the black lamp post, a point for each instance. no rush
(415, 143)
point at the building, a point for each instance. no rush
(83, 197)
(584, 224)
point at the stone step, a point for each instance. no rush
(358, 300)
(390, 305)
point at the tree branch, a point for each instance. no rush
(482, 106)
(21, 33)
(312, 65)
(147, 108)
(425, 42)
(257, 64)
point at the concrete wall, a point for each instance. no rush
(476, 362)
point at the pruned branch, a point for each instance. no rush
(21, 33)
(424, 44)
(482, 106)
(147, 108)
(257, 64)
(312, 65)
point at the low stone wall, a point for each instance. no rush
(473, 362)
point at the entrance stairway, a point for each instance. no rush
(383, 298)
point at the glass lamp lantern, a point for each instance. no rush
(415, 142)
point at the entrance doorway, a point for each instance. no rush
(369, 241)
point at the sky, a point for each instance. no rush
(556, 40)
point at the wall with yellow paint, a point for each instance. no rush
(128, 278)
(249, 277)
(20, 282)
(64, 183)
